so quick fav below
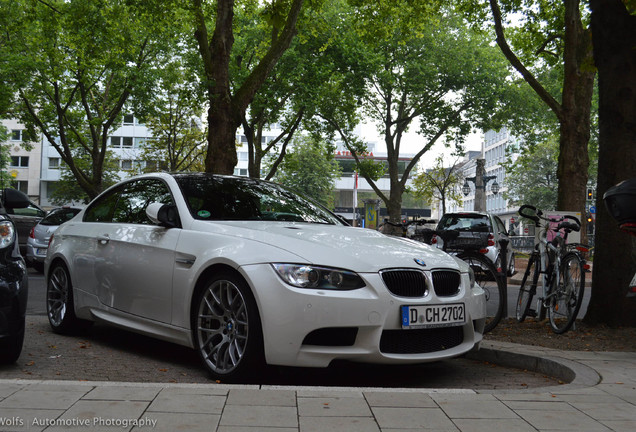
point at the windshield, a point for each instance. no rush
(465, 222)
(230, 198)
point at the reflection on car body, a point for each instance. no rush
(247, 272)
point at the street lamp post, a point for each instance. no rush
(480, 180)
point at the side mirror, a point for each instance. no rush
(164, 215)
(13, 198)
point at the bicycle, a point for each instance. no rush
(562, 268)
(493, 283)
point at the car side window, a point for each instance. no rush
(132, 203)
(102, 209)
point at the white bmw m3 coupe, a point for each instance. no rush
(247, 272)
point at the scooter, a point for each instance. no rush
(620, 201)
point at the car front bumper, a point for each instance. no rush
(311, 328)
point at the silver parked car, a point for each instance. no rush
(245, 272)
(38, 240)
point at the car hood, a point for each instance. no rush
(357, 249)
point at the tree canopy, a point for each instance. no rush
(432, 74)
(76, 67)
(310, 169)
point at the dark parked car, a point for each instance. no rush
(25, 218)
(483, 231)
(13, 280)
(38, 241)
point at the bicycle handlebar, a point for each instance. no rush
(533, 215)
(531, 212)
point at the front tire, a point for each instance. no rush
(528, 288)
(227, 328)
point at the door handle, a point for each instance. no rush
(103, 239)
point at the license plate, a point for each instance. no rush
(40, 251)
(446, 315)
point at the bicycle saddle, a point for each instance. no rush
(569, 226)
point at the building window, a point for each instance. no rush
(22, 186)
(126, 164)
(50, 189)
(121, 142)
(54, 163)
(16, 135)
(129, 119)
(20, 161)
(139, 142)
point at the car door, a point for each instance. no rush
(133, 272)
(502, 234)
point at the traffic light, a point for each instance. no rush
(590, 193)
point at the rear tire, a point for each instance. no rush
(60, 306)
(565, 305)
(226, 328)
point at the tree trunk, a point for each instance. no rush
(614, 38)
(578, 87)
(394, 208)
(227, 110)
(221, 157)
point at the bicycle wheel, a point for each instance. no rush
(566, 301)
(488, 279)
(528, 288)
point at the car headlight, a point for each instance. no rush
(471, 276)
(7, 234)
(309, 276)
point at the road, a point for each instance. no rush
(108, 354)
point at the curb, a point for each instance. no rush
(574, 374)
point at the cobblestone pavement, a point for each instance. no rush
(109, 354)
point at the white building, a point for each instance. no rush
(125, 142)
(493, 151)
(24, 165)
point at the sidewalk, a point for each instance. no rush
(600, 395)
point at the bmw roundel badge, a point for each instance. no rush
(419, 262)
